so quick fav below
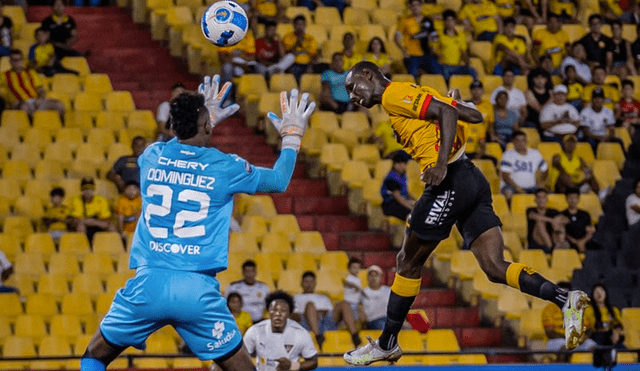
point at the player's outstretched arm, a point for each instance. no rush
(291, 127)
(214, 98)
(466, 111)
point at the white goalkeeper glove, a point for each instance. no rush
(213, 99)
(294, 118)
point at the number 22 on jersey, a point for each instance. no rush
(168, 207)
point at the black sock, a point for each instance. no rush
(397, 311)
(536, 285)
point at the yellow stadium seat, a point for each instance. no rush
(109, 243)
(32, 326)
(319, 32)
(5, 328)
(324, 120)
(386, 17)
(282, 82)
(591, 203)
(98, 264)
(28, 153)
(327, 16)
(486, 288)
(187, 363)
(369, 31)
(88, 102)
(611, 151)
(91, 155)
(586, 358)
(31, 264)
(557, 201)
(47, 121)
(355, 173)
(334, 260)
(358, 122)
(462, 83)
(16, 169)
(302, 261)
(261, 205)
(16, 120)
(382, 169)
(16, 346)
(269, 263)
(64, 264)
(287, 224)
(54, 284)
(42, 304)
(252, 84)
(310, 242)
(115, 282)
(368, 5)
(337, 341)
(345, 136)
(74, 243)
(330, 283)
(276, 243)
(49, 170)
(160, 344)
(142, 121)
(334, 155)
(435, 81)
(531, 324)
(269, 102)
(358, 17)
(110, 120)
(52, 346)
(82, 169)
(59, 152)
(82, 120)
(5, 209)
(29, 207)
(464, 264)
(98, 83)
(623, 134)
(520, 202)
(77, 64)
(77, 304)
(24, 283)
(403, 77)
(40, 243)
(606, 172)
(11, 307)
(117, 150)
(310, 83)
(565, 261)
(70, 137)
(290, 280)
(8, 138)
(66, 84)
(244, 243)
(535, 259)
(293, 11)
(584, 151)
(512, 303)
(255, 225)
(548, 150)
(441, 340)
(482, 50)
(100, 139)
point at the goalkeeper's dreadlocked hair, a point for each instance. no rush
(185, 110)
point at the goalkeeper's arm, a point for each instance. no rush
(277, 180)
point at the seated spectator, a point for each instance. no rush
(270, 56)
(318, 314)
(531, 12)
(577, 59)
(56, 216)
(635, 47)
(377, 54)
(632, 15)
(243, 319)
(538, 94)
(63, 31)
(163, 115)
(413, 35)
(565, 10)
(579, 228)
(6, 31)
(91, 212)
(451, 47)
(632, 205)
(349, 55)
(396, 200)
(505, 120)
(26, 87)
(352, 285)
(385, 138)
(302, 45)
(551, 41)
(238, 59)
(629, 108)
(43, 57)
(374, 299)
(622, 58)
(517, 101)
(569, 170)
(6, 270)
(553, 323)
(543, 223)
(522, 169)
(601, 315)
(610, 10)
(597, 121)
(266, 11)
(128, 209)
(480, 17)
(574, 88)
(610, 93)
(334, 96)
(558, 117)
(510, 50)
(252, 291)
(506, 8)
(599, 47)
(476, 142)
(313, 4)
(126, 168)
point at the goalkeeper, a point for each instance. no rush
(181, 240)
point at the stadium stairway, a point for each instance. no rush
(134, 62)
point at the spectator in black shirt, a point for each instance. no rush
(63, 31)
(126, 169)
(396, 200)
(6, 40)
(579, 228)
(543, 224)
(635, 48)
(598, 46)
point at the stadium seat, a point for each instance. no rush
(64, 264)
(142, 121)
(565, 261)
(110, 120)
(69, 136)
(293, 11)
(311, 84)
(606, 173)
(5, 209)
(385, 17)
(261, 205)
(42, 304)
(319, 32)
(326, 121)
(18, 225)
(98, 83)
(355, 173)
(611, 151)
(5, 328)
(345, 136)
(548, 150)
(29, 207)
(623, 134)
(99, 264)
(463, 83)
(358, 122)
(337, 341)
(77, 64)
(40, 243)
(303, 261)
(334, 260)
(486, 288)
(52, 346)
(29, 264)
(359, 17)
(333, 156)
(65, 84)
(269, 264)
(244, 243)
(285, 223)
(47, 121)
(115, 282)
(54, 284)
(482, 50)
(75, 243)
(18, 170)
(49, 170)
(310, 242)
(11, 307)
(117, 150)
(535, 259)
(88, 102)
(584, 151)
(282, 82)
(252, 84)
(557, 201)
(489, 170)
(32, 326)
(16, 120)
(99, 139)
(435, 81)
(159, 343)
(441, 340)
(59, 152)
(255, 225)
(403, 77)
(269, 102)
(520, 202)
(512, 242)
(78, 305)
(512, 303)
(276, 243)
(464, 264)
(84, 168)
(313, 140)
(330, 283)
(29, 153)
(17, 346)
(109, 243)
(24, 283)
(290, 281)
(531, 324)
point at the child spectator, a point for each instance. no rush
(375, 299)
(91, 212)
(334, 96)
(574, 88)
(243, 319)
(128, 208)
(56, 215)
(629, 112)
(352, 286)
(396, 200)
(42, 55)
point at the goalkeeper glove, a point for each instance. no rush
(213, 99)
(294, 118)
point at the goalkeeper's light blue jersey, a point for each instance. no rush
(186, 206)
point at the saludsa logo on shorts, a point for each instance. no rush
(221, 337)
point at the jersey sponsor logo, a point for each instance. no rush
(174, 248)
(416, 101)
(407, 98)
(288, 347)
(218, 329)
(182, 164)
(440, 208)
(221, 337)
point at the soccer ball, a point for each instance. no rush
(224, 23)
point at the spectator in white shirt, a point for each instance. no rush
(319, 315)
(6, 270)
(279, 343)
(633, 205)
(579, 62)
(252, 291)
(597, 121)
(375, 299)
(522, 169)
(162, 116)
(517, 101)
(352, 285)
(558, 117)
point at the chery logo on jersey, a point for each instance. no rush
(222, 338)
(174, 248)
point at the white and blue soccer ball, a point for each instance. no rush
(224, 23)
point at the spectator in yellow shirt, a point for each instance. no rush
(413, 34)
(481, 18)
(128, 209)
(349, 55)
(42, 55)
(377, 54)
(574, 88)
(56, 215)
(302, 45)
(478, 132)
(90, 212)
(611, 93)
(551, 41)
(564, 9)
(532, 12)
(385, 138)
(452, 48)
(510, 51)
(506, 8)
(243, 319)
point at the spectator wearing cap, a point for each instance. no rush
(396, 200)
(611, 93)
(569, 170)
(597, 121)
(162, 116)
(126, 169)
(374, 299)
(522, 169)
(558, 117)
(90, 212)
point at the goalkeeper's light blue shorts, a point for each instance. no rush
(189, 301)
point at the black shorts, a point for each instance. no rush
(463, 197)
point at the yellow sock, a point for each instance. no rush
(406, 287)
(513, 274)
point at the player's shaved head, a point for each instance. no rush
(365, 84)
(186, 110)
(360, 67)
